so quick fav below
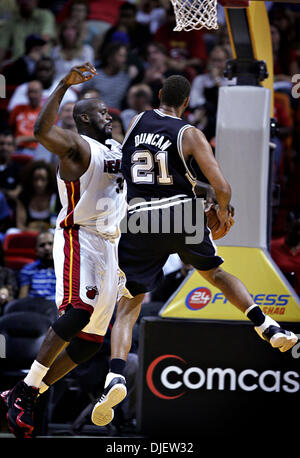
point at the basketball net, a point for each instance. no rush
(195, 14)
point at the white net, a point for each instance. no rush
(195, 14)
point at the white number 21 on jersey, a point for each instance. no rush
(143, 165)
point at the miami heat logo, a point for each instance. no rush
(91, 291)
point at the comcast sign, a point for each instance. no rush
(170, 377)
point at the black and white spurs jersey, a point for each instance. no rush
(152, 161)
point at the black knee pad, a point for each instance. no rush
(81, 350)
(71, 322)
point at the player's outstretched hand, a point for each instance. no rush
(80, 74)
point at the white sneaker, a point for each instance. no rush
(114, 393)
(278, 337)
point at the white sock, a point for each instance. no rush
(249, 309)
(36, 374)
(43, 387)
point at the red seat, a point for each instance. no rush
(22, 159)
(20, 245)
(16, 262)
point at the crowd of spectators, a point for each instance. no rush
(134, 48)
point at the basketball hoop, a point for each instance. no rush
(195, 14)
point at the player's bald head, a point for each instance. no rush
(93, 119)
(84, 108)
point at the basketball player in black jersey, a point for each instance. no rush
(156, 152)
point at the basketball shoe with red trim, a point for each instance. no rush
(21, 401)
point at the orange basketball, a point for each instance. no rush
(213, 223)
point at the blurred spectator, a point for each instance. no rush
(286, 251)
(128, 31)
(118, 132)
(7, 8)
(37, 279)
(22, 69)
(285, 59)
(113, 77)
(23, 117)
(139, 99)
(285, 20)
(222, 39)
(45, 73)
(102, 14)
(8, 283)
(28, 20)
(66, 121)
(187, 51)
(283, 139)
(37, 201)
(89, 93)
(151, 13)
(205, 87)
(157, 69)
(5, 216)
(79, 12)
(204, 118)
(65, 117)
(70, 50)
(9, 171)
(53, 5)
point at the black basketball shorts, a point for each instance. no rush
(143, 255)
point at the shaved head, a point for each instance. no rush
(84, 107)
(92, 118)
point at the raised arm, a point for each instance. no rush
(63, 142)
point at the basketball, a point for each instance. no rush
(213, 223)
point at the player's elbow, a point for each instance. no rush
(40, 131)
